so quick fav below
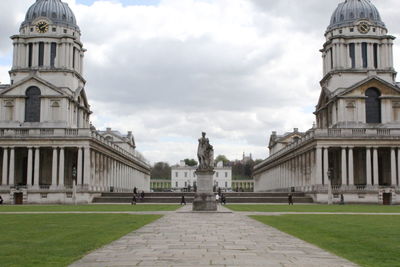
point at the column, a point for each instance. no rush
(368, 167)
(398, 166)
(5, 166)
(79, 168)
(393, 166)
(54, 168)
(375, 166)
(86, 166)
(326, 165)
(351, 166)
(29, 167)
(12, 165)
(37, 168)
(61, 168)
(344, 166)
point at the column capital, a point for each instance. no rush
(350, 147)
(37, 147)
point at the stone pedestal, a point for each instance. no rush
(204, 199)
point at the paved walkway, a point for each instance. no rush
(209, 239)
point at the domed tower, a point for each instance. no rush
(357, 46)
(49, 45)
(47, 70)
(357, 50)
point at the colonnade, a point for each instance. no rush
(337, 57)
(347, 165)
(296, 171)
(95, 170)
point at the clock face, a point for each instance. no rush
(42, 27)
(364, 27)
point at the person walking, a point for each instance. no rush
(134, 199)
(223, 199)
(290, 199)
(341, 199)
(135, 190)
(217, 198)
(183, 201)
(1, 200)
(142, 196)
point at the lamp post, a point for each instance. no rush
(329, 174)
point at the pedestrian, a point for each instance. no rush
(219, 191)
(134, 199)
(223, 199)
(135, 190)
(1, 200)
(341, 199)
(290, 199)
(183, 201)
(142, 195)
(217, 198)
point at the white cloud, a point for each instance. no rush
(237, 69)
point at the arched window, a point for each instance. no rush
(373, 105)
(32, 105)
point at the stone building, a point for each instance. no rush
(182, 176)
(47, 142)
(356, 139)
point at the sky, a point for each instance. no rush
(169, 69)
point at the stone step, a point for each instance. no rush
(191, 194)
(189, 199)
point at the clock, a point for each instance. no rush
(363, 27)
(42, 27)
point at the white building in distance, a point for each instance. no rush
(183, 176)
(46, 140)
(355, 145)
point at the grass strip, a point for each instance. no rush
(60, 239)
(47, 208)
(315, 208)
(364, 239)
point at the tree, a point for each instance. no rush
(222, 158)
(191, 162)
(161, 170)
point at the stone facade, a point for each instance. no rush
(356, 140)
(182, 176)
(49, 151)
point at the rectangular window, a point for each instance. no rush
(226, 174)
(53, 54)
(185, 174)
(185, 184)
(364, 52)
(216, 174)
(176, 184)
(73, 58)
(41, 54)
(176, 174)
(352, 54)
(376, 56)
(226, 184)
(30, 51)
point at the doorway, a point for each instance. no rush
(18, 198)
(387, 198)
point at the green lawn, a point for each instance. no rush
(364, 239)
(60, 239)
(138, 207)
(316, 208)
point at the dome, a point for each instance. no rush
(350, 11)
(55, 10)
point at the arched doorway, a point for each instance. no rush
(32, 105)
(373, 106)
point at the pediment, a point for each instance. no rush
(324, 98)
(19, 88)
(357, 90)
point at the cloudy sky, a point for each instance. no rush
(170, 69)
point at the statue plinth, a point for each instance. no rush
(204, 199)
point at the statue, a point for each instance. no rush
(205, 154)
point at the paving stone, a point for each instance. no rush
(209, 239)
